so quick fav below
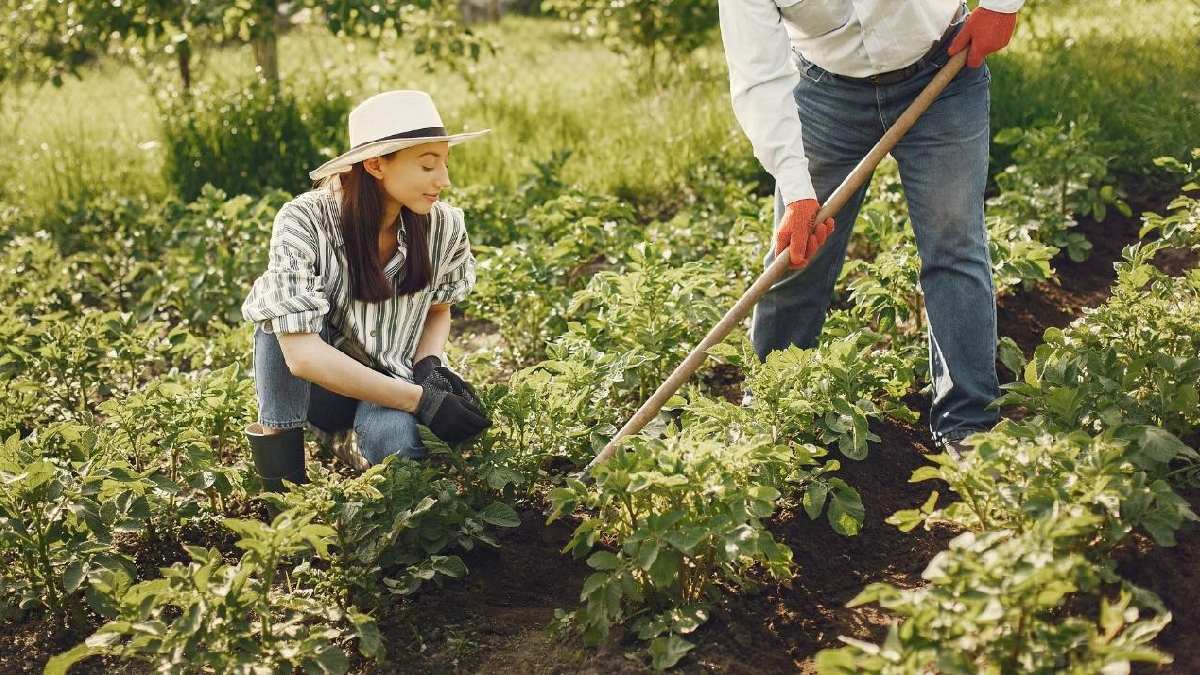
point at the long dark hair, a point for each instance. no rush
(362, 209)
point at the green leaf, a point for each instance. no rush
(500, 515)
(647, 554)
(603, 560)
(370, 641)
(1159, 444)
(666, 651)
(451, 566)
(1011, 356)
(73, 576)
(328, 658)
(686, 540)
(814, 499)
(846, 512)
(594, 581)
(60, 664)
(925, 473)
(665, 567)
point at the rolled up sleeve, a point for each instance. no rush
(1006, 6)
(456, 275)
(289, 297)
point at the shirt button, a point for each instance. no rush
(372, 333)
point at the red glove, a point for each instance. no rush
(985, 31)
(797, 233)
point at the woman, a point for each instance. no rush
(353, 311)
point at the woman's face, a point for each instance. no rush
(413, 177)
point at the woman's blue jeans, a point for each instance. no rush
(286, 401)
(943, 164)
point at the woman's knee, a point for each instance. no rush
(386, 431)
(283, 398)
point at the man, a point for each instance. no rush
(815, 83)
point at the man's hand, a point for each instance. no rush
(985, 31)
(798, 234)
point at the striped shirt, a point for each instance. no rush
(306, 289)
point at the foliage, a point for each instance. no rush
(525, 287)
(209, 615)
(50, 40)
(179, 435)
(992, 605)
(1057, 176)
(826, 396)
(1181, 227)
(64, 498)
(249, 137)
(390, 528)
(681, 516)
(649, 30)
(1019, 475)
(1133, 360)
(73, 363)
(637, 325)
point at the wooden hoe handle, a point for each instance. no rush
(859, 176)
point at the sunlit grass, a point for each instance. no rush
(1130, 65)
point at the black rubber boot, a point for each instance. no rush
(277, 456)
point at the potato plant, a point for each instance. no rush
(1018, 475)
(525, 286)
(391, 529)
(827, 395)
(1134, 360)
(1059, 174)
(182, 436)
(1046, 499)
(64, 498)
(210, 616)
(668, 522)
(637, 325)
(1181, 227)
(993, 604)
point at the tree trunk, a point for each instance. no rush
(265, 43)
(184, 52)
(266, 57)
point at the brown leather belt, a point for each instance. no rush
(902, 74)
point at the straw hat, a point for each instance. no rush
(388, 122)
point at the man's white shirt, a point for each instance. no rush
(856, 38)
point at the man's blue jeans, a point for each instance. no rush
(286, 401)
(943, 166)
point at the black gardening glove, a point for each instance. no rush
(450, 417)
(429, 372)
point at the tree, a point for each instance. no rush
(46, 40)
(642, 28)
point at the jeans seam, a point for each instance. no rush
(291, 424)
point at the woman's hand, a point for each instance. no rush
(430, 371)
(450, 417)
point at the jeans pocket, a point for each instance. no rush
(808, 69)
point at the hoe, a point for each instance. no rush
(860, 175)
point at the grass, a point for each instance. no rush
(58, 147)
(1129, 64)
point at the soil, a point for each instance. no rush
(1173, 573)
(499, 618)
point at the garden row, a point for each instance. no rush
(1044, 501)
(126, 392)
